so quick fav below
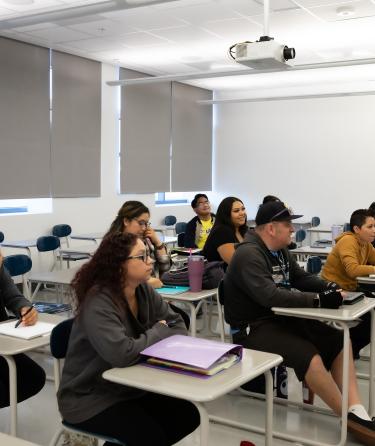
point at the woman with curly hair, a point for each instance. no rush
(117, 316)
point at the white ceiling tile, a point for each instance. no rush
(330, 13)
(36, 6)
(185, 34)
(310, 3)
(179, 4)
(5, 12)
(199, 14)
(35, 27)
(141, 39)
(101, 28)
(235, 29)
(97, 44)
(58, 34)
(245, 7)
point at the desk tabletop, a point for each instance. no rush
(81, 249)
(366, 279)
(12, 346)
(190, 296)
(308, 250)
(191, 388)
(345, 313)
(58, 277)
(168, 240)
(90, 236)
(8, 440)
(20, 244)
(319, 229)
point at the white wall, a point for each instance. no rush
(316, 154)
(91, 214)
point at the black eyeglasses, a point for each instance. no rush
(144, 257)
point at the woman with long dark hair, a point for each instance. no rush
(230, 228)
(117, 316)
(134, 217)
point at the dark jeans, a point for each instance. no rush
(360, 335)
(153, 419)
(30, 379)
(182, 313)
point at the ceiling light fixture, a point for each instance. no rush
(72, 12)
(210, 74)
(19, 2)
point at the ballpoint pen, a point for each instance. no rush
(20, 319)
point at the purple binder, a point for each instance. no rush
(197, 352)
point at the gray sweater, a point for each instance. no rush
(104, 337)
(10, 298)
(254, 283)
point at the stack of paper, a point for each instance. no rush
(29, 332)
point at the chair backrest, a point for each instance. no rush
(315, 221)
(181, 239)
(300, 235)
(314, 265)
(170, 220)
(61, 230)
(47, 243)
(180, 227)
(60, 338)
(18, 264)
(346, 227)
(1, 236)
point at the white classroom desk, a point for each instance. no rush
(164, 229)
(9, 347)
(367, 280)
(7, 440)
(343, 316)
(20, 244)
(319, 230)
(305, 251)
(61, 278)
(93, 236)
(200, 390)
(198, 297)
(81, 250)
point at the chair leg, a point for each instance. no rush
(307, 394)
(55, 439)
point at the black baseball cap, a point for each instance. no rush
(274, 211)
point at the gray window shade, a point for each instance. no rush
(191, 139)
(145, 136)
(24, 120)
(76, 126)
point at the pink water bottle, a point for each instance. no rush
(195, 271)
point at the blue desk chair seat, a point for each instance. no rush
(59, 345)
(180, 227)
(170, 220)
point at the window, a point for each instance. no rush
(26, 206)
(173, 198)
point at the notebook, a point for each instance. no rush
(352, 297)
(193, 356)
(172, 290)
(29, 332)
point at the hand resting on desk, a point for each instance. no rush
(331, 298)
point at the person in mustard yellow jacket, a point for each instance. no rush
(353, 255)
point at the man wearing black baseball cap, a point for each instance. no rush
(263, 274)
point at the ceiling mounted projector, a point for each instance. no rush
(263, 54)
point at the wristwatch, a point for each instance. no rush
(316, 301)
(161, 246)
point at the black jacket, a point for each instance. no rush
(192, 231)
(10, 298)
(255, 282)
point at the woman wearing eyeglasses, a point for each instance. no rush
(230, 228)
(117, 316)
(134, 217)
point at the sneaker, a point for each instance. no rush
(364, 430)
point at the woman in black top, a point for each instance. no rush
(229, 228)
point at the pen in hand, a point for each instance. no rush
(21, 317)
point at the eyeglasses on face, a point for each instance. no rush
(144, 257)
(143, 223)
